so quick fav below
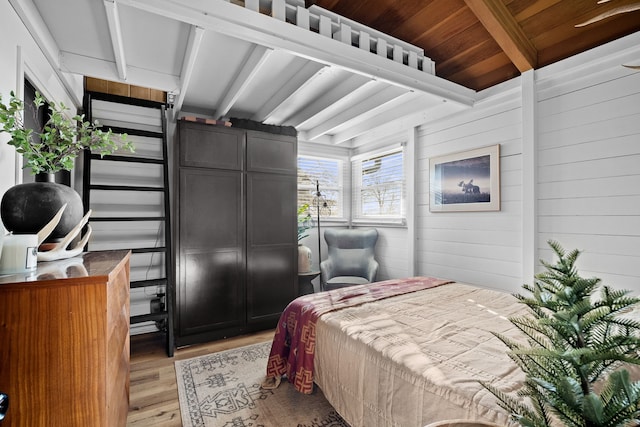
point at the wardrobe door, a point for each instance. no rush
(208, 146)
(271, 245)
(272, 153)
(211, 288)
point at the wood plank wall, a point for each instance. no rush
(92, 84)
(587, 190)
(481, 248)
(589, 170)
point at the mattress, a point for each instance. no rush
(414, 359)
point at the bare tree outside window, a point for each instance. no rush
(380, 183)
(328, 172)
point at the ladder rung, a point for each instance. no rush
(130, 159)
(148, 317)
(125, 219)
(131, 131)
(126, 188)
(148, 250)
(145, 283)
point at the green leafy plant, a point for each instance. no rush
(304, 221)
(59, 141)
(577, 345)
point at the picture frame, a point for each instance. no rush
(466, 181)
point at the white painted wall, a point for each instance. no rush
(392, 253)
(585, 131)
(20, 57)
(589, 163)
(475, 247)
(12, 34)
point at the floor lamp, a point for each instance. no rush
(320, 204)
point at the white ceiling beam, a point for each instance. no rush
(301, 77)
(347, 87)
(93, 67)
(36, 26)
(392, 110)
(383, 111)
(372, 102)
(233, 20)
(413, 113)
(324, 139)
(191, 54)
(113, 19)
(285, 109)
(246, 73)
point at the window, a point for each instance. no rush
(378, 181)
(328, 174)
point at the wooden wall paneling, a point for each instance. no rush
(480, 248)
(139, 92)
(392, 252)
(93, 84)
(120, 89)
(96, 85)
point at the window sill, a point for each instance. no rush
(390, 223)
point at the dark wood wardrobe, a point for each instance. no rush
(236, 243)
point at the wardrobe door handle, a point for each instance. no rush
(4, 405)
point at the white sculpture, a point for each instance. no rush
(59, 250)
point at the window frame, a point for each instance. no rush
(399, 220)
(341, 189)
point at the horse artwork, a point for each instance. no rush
(465, 181)
(469, 188)
(470, 194)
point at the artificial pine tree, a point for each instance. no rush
(574, 340)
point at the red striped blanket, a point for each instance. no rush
(294, 342)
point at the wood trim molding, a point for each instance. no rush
(92, 84)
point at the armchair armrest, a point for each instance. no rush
(326, 267)
(372, 270)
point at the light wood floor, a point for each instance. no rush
(154, 391)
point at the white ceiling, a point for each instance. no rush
(224, 59)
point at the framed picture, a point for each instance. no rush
(466, 181)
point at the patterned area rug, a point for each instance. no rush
(223, 390)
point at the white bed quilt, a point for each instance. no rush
(414, 359)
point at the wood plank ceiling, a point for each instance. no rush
(480, 43)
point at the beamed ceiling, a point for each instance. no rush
(342, 72)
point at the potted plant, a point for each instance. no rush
(26, 208)
(576, 349)
(304, 253)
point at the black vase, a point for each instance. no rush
(27, 208)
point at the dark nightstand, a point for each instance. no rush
(304, 282)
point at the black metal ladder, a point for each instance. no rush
(164, 316)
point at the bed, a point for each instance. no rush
(408, 356)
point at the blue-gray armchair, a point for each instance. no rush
(350, 259)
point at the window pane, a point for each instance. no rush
(380, 186)
(327, 173)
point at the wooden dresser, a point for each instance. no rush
(64, 342)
